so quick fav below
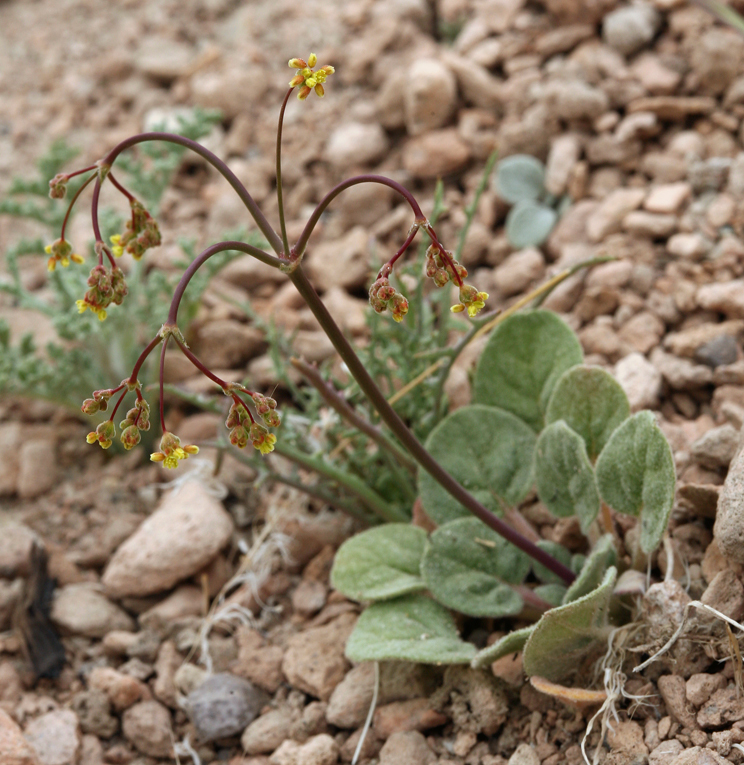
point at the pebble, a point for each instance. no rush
(167, 663)
(641, 381)
(258, 662)
(16, 542)
(702, 685)
(413, 714)
(309, 597)
(688, 246)
(229, 89)
(723, 708)
(349, 704)
(668, 198)
(343, 263)
(223, 705)
(630, 28)
(673, 690)
(720, 351)
(122, 690)
(725, 594)
(716, 60)
(626, 742)
(725, 297)
(716, 448)
(267, 732)
(407, 748)
(13, 746)
(608, 217)
(430, 96)
(688, 341)
(729, 526)
(651, 225)
(56, 737)
(33, 482)
(574, 100)
(147, 726)
(319, 750)
(10, 445)
(434, 154)
(227, 343)
(314, 660)
(524, 754)
(186, 600)
(93, 710)
(519, 270)
(681, 374)
(82, 609)
(642, 332)
(356, 143)
(163, 59)
(186, 531)
(563, 157)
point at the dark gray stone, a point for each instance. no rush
(718, 351)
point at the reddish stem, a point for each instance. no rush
(199, 365)
(162, 383)
(141, 360)
(72, 203)
(118, 404)
(121, 188)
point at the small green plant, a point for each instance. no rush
(540, 419)
(479, 461)
(520, 180)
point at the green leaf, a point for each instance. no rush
(528, 224)
(522, 362)
(381, 563)
(511, 643)
(410, 628)
(564, 475)
(489, 451)
(552, 593)
(592, 403)
(635, 475)
(559, 552)
(566, 636)
(470, 568)
(520, 177)
(602, 556)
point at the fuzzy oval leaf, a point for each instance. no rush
(489, 451)
(512, 642)
(566, 636)
(559, 552)
(551, 593)
(520, 177)
(522, 362)
(380, 563)
(564, 475)
(528, 224)
(602, 556)
(636, 475)
(592, 403)
(409, 628)
(470, 568)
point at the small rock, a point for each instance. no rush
(223, 706)
(673, 691)
(267, 732)
(228, 343)
(82, 609)
(16, 542)
(189, 677)
(667, 198)
(434, 154)
(319, 750)
(688, 342)
(563, 156)
(708, 174)
(93, 709)
(343, 263)
(716, 59)
(163, 59)
(167, 663)
(607, 218)
(666, 752)
(651, 225)
(314, 660)
(681, 374)
(183, 535)
(356, 143)
(430, 96)
(14, 747)
(10, 447)
(186, 600)
(725, 593)
(309, 597)
(407, 748)
(643, 331)
(524, 754)
(716, 448)
(626, 743)
(122, 690)
(258, 662)
(700, 687)
(414, 714)
(630, 28)
(229, 89)
(33, 482)
(726, 297)
(723, 708)
(56, 737)
(147, 726)
(519, 270)
(574, 100)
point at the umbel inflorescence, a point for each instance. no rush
(251, 415)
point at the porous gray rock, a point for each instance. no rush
(223, 705)
(629, 28)
(147, 726)
(56, 737)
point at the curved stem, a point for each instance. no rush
(162, 382)
(406, 437)
(299, 248)
(72, 204)
(279, 187)
(141, 360)
(271, 236)
(199, 261)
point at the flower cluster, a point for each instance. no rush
(307, 78)
(382, 295)
(441, 269)
(141, 233)
(104, 434)
(104, 288)
(243, 428)
(58, 186)
(171, 452)
(138, 418)
(470, 300)
(61, 252)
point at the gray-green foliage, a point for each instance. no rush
(85, 353)
(520, 180)
(541, 418)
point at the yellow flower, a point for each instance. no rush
(171, 452)
(307, 78)
(262, 439)
(470, 300)
(84, 305)
(118, 248)
(61, 252)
